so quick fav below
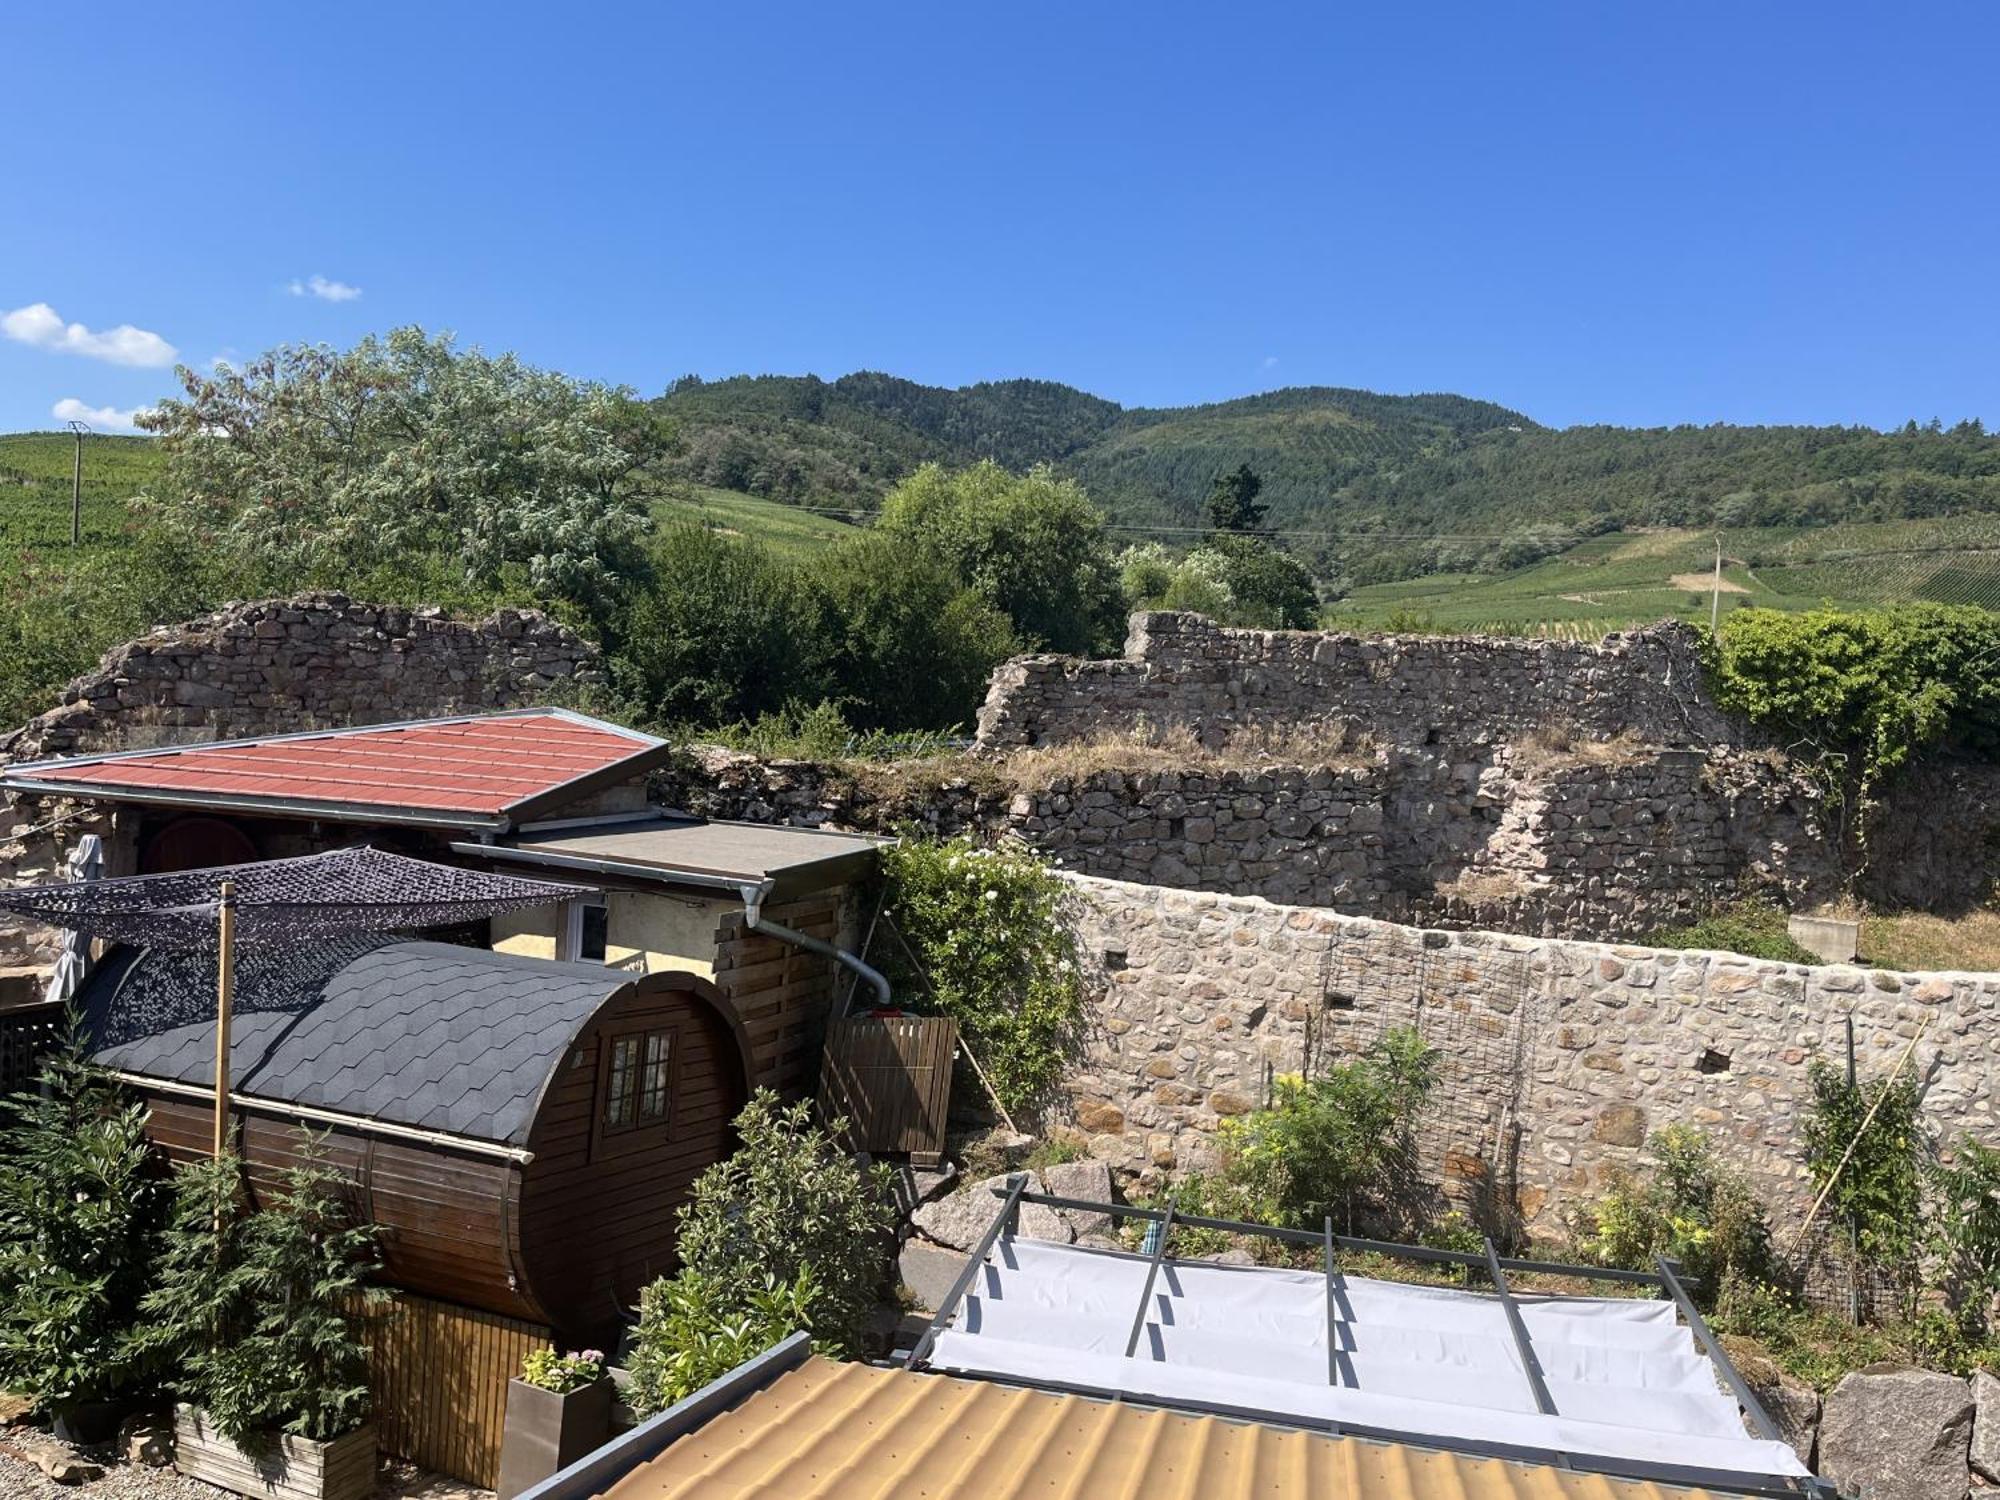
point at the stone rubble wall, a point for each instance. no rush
(1586, 844)
(318, 661)
(1182, 671)
(1561, 1056)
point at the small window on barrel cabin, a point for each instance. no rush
(640, 1066)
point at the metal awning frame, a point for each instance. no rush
(1664, 1278)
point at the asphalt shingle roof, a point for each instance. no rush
(430, 1035)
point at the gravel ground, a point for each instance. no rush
(20, 1481)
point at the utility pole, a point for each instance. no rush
(78, 430)
(1715, 595)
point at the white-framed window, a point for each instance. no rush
(585, 930)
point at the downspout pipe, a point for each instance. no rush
(754, 918)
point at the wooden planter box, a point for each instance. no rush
(546, 1432)
(292, 1468)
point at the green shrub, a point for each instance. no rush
(1879, 1189)
(788, 1201)
(993, 952)
(1965, 1230)
(1328, 1146)
(1688, 1207)
(258, 1314)
(79, 1216)
(1756, 929)
(694, 1328)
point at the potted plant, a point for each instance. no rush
(79, 1220)
(258, 1319)
(558, 1409)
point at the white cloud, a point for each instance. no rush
(40, 325)
(325, 290)
(103, 418)
(1270, 361)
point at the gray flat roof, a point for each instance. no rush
(697, 851)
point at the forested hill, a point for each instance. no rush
(1330, 459)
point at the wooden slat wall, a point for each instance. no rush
(781, 992)
(440, 1376)
(890, 1078)
(27, 1034)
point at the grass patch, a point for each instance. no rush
(1756, 929)
(786, 529)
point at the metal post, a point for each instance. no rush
(225, 997)
(1334, 1359)
(1544, 1403)
(1166, 1228)
(77, 429)
(1715, 596)
(1008, 1216)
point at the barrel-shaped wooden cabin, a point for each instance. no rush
(522, 1130)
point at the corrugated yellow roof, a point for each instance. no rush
(828, 1431)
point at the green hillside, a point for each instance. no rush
(1613, 582)
(1391, 486)
(784, 528)
(35, 470)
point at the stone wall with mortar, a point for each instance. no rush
(1182, 671)
(1561, 1056)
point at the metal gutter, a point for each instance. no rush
(596, 1473)
(653, 874)
(307, 1112)
(296, 807)
(754, 897)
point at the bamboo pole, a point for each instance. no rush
(225, 997)
(1868, 1119)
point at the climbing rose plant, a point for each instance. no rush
(988, 945)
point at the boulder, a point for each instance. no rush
(1792, 1404)
(1986, 1426)
(1088, 1180)
(957, 1221)
(1896, 1434)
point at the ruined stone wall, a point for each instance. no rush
(1182, 671)
(1598, 841)
(314, 662)
(1560, 1056)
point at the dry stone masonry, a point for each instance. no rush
(1561, 1056)
(317, 661)
(1182, 671)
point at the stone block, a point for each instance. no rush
(1897, 1434)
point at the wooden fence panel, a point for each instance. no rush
(27, 1034)
(890, 1078)
(440, 1376)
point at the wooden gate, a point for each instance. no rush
(440, 1376)
(890, 1078)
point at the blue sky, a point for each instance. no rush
(1595, 213)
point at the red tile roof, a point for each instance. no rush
(480, 766)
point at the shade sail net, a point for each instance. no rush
(1418, 1362)
(283, 902)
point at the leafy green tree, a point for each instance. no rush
(313, 465)
(912, 646)
(259, 1313)
(1269, 589)
(1232, 500)
(1032, 544)
(79, 1216)
(727, 631)
(789, 1203)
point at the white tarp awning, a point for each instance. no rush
(1625, 1377)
